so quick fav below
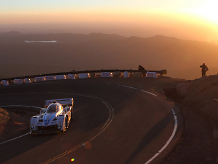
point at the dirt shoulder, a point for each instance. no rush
(15, 123)
(195, 99)
(4, 117)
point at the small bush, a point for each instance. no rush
(4, 116)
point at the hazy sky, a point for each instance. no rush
(191, 19)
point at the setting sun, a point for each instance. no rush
(207, 10)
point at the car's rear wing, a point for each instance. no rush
(64, 102)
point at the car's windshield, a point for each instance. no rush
(52, 108)
(55, 107)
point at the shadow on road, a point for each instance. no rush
(151, 135)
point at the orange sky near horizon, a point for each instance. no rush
(195, 20)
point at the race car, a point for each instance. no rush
(54, 118)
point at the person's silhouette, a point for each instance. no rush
(204, 69)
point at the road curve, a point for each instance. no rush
(112, 124)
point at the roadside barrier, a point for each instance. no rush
(4, 82)
(125, 74)
(71, 76)
(18, 81)
(117, 74)
(92, 75)
(38, 79)
(83, 74)
(47, 78)
(106, 74)
(137, 74)
(60, 77)
(151, 74)
(27, 80)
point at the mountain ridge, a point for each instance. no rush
(102, 51)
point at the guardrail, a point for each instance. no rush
(130, 72)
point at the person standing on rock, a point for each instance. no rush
(204, 69)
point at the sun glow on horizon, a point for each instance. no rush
(185, 19)
(207, 10)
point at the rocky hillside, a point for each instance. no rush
(201, 94)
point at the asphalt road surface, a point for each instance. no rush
(111, 124)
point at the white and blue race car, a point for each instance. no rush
(54, 118)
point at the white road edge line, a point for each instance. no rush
(127, 86)
(149, 93)
(20, 106)
(174, 130)
(14, 138)
(169, 140)
(139, 89)
(132, 87)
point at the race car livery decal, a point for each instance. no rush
(47, 119)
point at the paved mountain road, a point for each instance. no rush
(111, 124)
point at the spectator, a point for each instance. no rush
(142, 69)
(204, 69)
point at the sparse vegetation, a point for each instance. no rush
(4, 116)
